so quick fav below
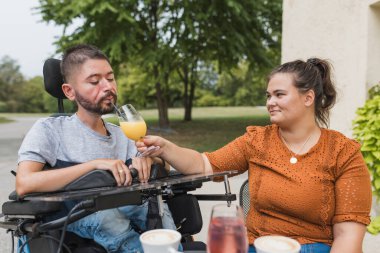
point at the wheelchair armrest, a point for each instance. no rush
(30, 207)
(104, 178)
(93, 179)
(99, 178)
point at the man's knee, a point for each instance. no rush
(112, 222)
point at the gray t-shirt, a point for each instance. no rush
(66, 139)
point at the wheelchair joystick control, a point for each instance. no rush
(134, 172)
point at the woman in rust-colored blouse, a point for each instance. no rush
(305, 181)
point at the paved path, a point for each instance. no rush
(11, 135)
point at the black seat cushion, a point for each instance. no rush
(30, 207)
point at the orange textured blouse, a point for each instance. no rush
(328, 184)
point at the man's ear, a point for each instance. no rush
(69, 91)
(309, 98)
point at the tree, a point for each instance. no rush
(128, 31)
(10, 81)
(30, 96)
(243, 85)
(166, 38)
(225, 32)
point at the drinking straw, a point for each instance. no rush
(118, 112)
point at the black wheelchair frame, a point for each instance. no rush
(24, 217)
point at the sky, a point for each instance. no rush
(24, 37)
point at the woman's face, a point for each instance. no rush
(285, 104)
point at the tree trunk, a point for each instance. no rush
(162, 104)
(189, 109)
(190, 78)
(186, 97)
(188, 106)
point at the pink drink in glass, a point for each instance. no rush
(227, 235)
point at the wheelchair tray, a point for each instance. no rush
(171, 180)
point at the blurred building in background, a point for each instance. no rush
(347, 32)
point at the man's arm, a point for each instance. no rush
(348, 237)
(31, 178)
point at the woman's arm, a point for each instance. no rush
(353, 200)
(348, 237)
(185, 160)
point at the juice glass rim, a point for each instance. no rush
(224, 210)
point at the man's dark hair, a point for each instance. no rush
(76, 56)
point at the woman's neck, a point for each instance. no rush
(300, 139)
(298, 134)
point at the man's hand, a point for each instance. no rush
(143, 166)
(118, 168)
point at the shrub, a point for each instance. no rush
(366, 129)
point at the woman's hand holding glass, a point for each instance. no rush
(151, 145)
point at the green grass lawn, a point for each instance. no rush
(208, 134)
(4, 120)
(211, 127)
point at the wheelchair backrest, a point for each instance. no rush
(53, 81)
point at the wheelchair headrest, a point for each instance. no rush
(53, 79)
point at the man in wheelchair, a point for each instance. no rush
(58, 150)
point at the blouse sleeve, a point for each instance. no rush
(232, 156)
(352, 186)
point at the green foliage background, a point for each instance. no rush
(366, 128)
(238, 86)
(165, 53)
(168, 46)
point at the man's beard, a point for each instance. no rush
(97, 108)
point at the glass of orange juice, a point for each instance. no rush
(131, 122)
(133, 125)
